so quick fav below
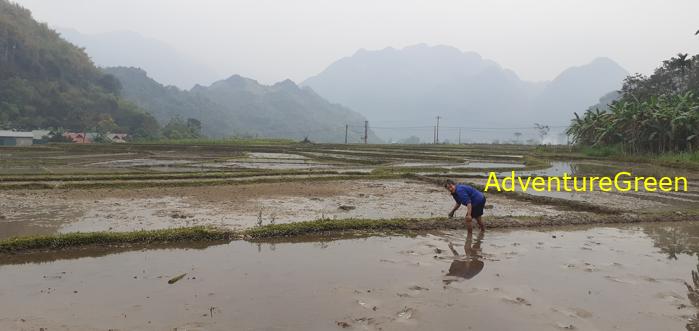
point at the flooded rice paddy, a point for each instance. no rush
(155, 187)
(618, 277)
(604, 278)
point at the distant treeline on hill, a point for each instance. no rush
(47, 82)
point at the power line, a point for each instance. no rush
(457, 127)
(362, 130)
(501, 128)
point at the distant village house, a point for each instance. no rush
(77, 137)
(117, 137)
(16, 138)
(19, 138)
(91, 137)
(41, 134)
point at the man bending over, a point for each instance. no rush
(469, 197)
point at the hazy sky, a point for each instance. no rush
(273, 40)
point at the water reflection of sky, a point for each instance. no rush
(629, 277)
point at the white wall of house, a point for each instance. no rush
(16, 138)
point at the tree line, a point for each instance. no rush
(46, 82)
(654, 114)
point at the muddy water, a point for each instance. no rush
(278, 165)
(493, 165)
(468, 164)
(628, 278)
(573, 168)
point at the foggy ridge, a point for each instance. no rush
(414, 84)
(130, 49)
(241, 106)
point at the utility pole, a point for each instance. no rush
(346, 129)
(459, 136)
(366, 132)
(434, 134)
(437, 131)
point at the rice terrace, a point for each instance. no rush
(101, 219)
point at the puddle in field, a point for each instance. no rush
(278, 165)
(185, 168)
(507, 156)
(627, 278)
(487, 165)
(271, 164)
(140, 163)
(423, 164)
(472, 165)
(285, 156)
(573, 168)
(344, 156)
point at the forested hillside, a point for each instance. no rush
(46, 82)
(240, 106)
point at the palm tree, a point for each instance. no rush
(656, 114)
(658, 125)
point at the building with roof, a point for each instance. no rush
(78, 137)
(92, 137)
(118, 138)
(16, 138)
(41, 134)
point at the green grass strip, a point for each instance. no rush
(326, 225)
(76, 239)
(318, 228)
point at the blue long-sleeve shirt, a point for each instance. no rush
(465, 194)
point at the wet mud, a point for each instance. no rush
(604, 278)
(236, 207)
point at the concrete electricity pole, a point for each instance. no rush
(366, 132)
(436, 139)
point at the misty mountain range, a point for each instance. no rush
(243, 107)
(393, 88)
(413, 85)
(130, 49)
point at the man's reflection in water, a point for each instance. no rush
(469, 265)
